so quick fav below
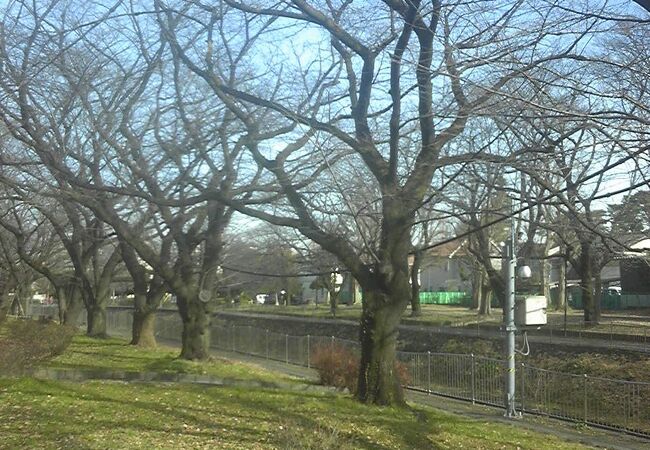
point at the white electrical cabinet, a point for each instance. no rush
(530, 311)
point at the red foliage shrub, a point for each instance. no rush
(338, 366)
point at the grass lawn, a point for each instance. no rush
(443, 315)
(38, 414)
(100, 415)
(431, 314)
(115, 355)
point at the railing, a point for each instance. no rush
(613, 404)
(608, 334)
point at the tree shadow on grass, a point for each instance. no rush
(247, 416)
(114, 411)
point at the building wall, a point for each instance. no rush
(445, 274)
(635, 276)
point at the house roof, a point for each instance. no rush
(638, 246)
(642, 245)
(449, 249)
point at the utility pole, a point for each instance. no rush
(509, 318)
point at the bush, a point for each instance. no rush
(338, 366)
(27, 343)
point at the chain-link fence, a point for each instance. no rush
(615, 404)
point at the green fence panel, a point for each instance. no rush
(635, 301)
(445, 298)
(613, 302)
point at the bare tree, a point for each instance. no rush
(392, 96)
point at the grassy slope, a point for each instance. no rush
(37, 414)
(431, 314)
(92, 415)
(443, 315)
(436, 315)
(112, 354)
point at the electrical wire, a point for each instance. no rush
(525, 350)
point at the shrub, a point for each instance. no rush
(338, 366)
(27, 343)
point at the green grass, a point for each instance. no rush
(36, 414)
(93, 415)
(443, 315)
(116, 355)
(431, 314)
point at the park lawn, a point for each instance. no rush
(98, 415)
(433, 315)
(443, 315)
(114, 354)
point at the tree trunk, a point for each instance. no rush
(485, 304)
(561, 288)
(587, 274)
(143, 330)
(598, 292)
(334, 301)
(70, 304)
(416, 309)
(546, 268)
(61, 302)
(546, 288)
(148, 297)
(96, 321)
(477, 282)
(4, 307)
(378, 381)
(72, 313)
(353, 284)
(588, 300)
(497, 285)
(17, 307)
(196, 328)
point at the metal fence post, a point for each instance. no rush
(332, 343)
(267, 343)
(473, 380)
(286, 348)
(584, 389)
(308, 353)
(429, 372)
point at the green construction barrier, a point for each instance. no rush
(444, 298)
(635, 301)
(613, 302)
